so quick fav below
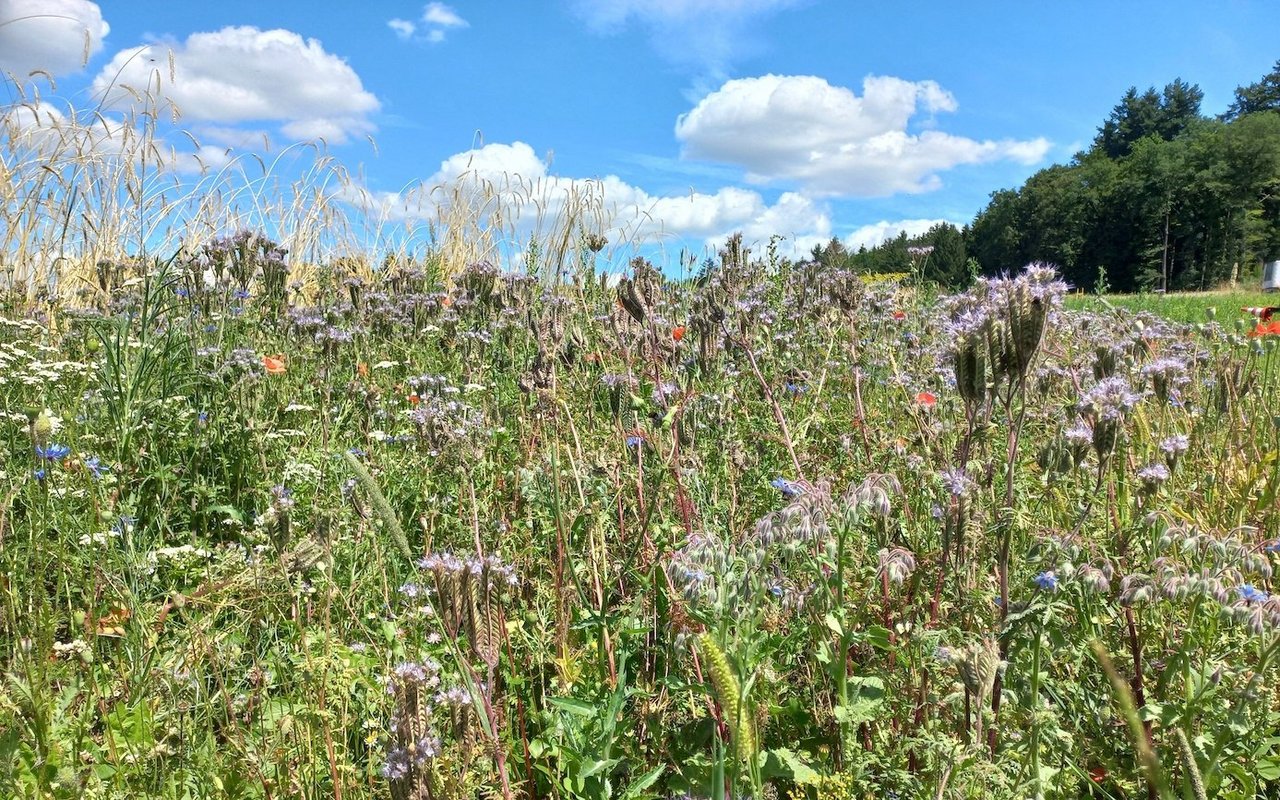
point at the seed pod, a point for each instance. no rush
(728, 693)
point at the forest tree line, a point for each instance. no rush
(1164, 198)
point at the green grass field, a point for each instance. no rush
(1179, 306)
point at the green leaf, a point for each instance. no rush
(823, 653)
(574, 706)
(644, 782)
(597, 766)
(1151, 711)
(877, 636)
(227, 512)
(1268, 769)
(834, 624)
(785, 763)
(864, 705)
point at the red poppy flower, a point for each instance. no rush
(1097, 774)
(926, 400)
(362, 369)
(1266, 329)
(414, 399)
(899, 316)
(677, 332)
(274, 365)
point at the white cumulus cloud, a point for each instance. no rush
(57, 36)
(436, 20)
(514, 176)
(801, 130)
(869, 236)
(239, 74)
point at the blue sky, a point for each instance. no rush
(695, 118)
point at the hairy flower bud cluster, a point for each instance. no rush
(896, 565)
(996, 329)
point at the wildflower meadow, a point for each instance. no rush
(774, 531)
(466, 491)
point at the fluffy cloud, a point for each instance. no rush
(878, 232)
(705, 34)
(57, 36)
(517, 179)
(239, 74)
(436, 20)
(802, 130)
(498, 164)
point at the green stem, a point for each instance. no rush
(1034, 699)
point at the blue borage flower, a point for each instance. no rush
(1046, 581)
(789, 489)
(1251, 594)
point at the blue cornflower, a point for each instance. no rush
(240, 294)
(795, 388)
(1274, 547)
(53, 452)
(1251, 594)
(635, 440)
(96, 467)
(39, 474)
(1047, 581)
